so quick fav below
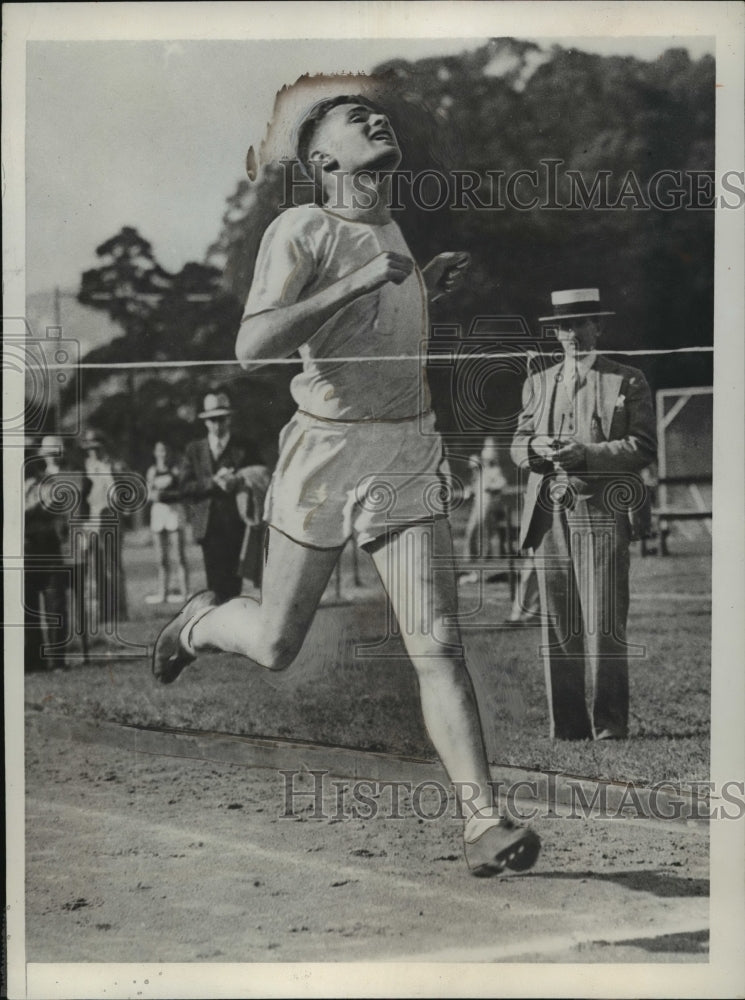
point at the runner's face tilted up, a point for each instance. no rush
(354, 137)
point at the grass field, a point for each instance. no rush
(335, 694)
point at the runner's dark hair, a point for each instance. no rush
(310, 122)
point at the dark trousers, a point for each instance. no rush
(486, 522)
(221, 548)
(47, 619)
(582, 563)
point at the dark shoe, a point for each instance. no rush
(502, 845)
(169, 656)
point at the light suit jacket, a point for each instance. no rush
(627, 420)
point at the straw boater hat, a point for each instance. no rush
(575, 303)
(216, 404)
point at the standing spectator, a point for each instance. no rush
(250, 500)
(526, 604)
(105, 563)
(167, 527)
(54, 491)
(586, 430)
(488, 518)
(210, 482)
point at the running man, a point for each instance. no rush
(336, 282)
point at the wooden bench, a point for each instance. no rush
(662, 515)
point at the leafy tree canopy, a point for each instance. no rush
(564, 118)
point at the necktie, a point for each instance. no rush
(596, 427)
(570, 376)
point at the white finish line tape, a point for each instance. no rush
(450, 356)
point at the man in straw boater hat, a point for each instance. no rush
(335, 281)
(209, 483)
(586, 431)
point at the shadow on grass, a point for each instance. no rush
(659, 883)
(690, 943)
(689, 734)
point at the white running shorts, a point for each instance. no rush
(336, 479)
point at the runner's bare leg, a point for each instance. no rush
(271, 630)
(423, 600)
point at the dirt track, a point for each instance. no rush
(141, 858)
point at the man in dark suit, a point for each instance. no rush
(209, 484)
(586, 430)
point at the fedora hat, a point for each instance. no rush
(575, 303)
(216, 404)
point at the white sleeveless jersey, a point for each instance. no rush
(347, 372)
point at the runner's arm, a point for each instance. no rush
(277, 332)
(444, 273)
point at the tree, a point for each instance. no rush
(128, 285)
(510, 106)
(513, 109)
(506, 106)
(164, 317)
